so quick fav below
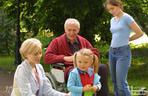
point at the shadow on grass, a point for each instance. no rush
(140, 52)
(138, 73)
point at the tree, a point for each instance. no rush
(39, 15)
(139, 10)
(44, 14)
(7, 34)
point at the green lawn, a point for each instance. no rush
(7, 63)
(138, 72)
(137, 77)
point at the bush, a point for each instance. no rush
(45, 38)
(103, 48)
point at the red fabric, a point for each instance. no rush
(86, 79)
(58, 48)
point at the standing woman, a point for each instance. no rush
(120, 54)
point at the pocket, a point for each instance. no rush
(125, 51)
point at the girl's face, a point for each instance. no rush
(34, 58)
(114, 10)
(83, 62)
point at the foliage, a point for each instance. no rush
(56, 11)
(45, 38)
(7, 34)
(103, 48)
(39, 15)
(44, 14)
(138, 71)
(139, 10)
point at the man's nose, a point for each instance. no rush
(74, 32)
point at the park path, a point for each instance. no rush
(6, 81)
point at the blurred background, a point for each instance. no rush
(44, 19)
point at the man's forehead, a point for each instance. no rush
(72, 26)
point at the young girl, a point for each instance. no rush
(83, 79)
(120, 54)
(29, 78)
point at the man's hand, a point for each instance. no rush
(68, 58)
(67, 94)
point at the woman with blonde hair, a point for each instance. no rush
(29, 78)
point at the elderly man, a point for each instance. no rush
(61, 49)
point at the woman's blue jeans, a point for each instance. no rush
(120, 60)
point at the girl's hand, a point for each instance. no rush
(87, 88)
(94, 88)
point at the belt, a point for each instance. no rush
(116, 48)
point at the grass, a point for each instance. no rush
(7, 63)
(138, 73)
(137, 76)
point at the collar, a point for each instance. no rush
(75, 42)
(82, 72)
